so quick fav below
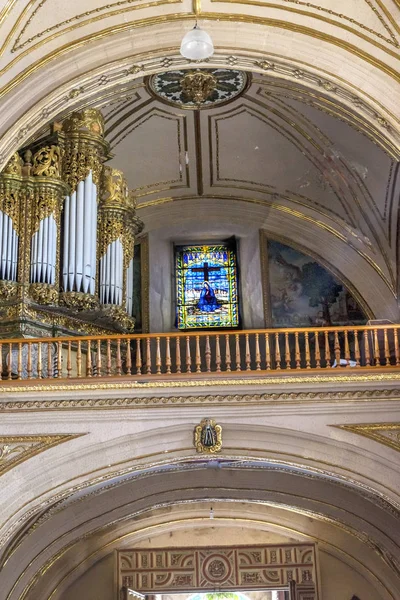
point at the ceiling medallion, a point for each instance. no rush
(198, 88)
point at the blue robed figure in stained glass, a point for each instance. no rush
(206, 286)
(207, 301)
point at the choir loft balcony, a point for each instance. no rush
(190, 357)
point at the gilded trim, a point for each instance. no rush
(28, 446)
(373, 432)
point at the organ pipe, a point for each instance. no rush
(48, 194)
(10, 195)
(85, 151)
(67, 231)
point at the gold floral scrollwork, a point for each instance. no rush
(43, 293)
(198, 85)
(8, 290)
(118, 314)
(208, 437)
(14, 165)
(114, 193)
(47, 162)
(89, 120)
(78, 300)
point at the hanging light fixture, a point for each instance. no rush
(197, 44)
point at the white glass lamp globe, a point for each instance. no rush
(197, 44)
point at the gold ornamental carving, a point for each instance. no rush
(119, 315)
(47, 201)
(82, 139)
(114, 193)
(46, 162)
(89, 120)
(8, 290)
(14, 165)
(208, 437)
(43, 293)
(79, 300)
(198, 85)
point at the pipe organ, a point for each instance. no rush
(67, 233)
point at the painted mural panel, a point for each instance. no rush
(303, 293)
(206, 286)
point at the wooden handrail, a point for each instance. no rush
(193, 354)
(183, 334)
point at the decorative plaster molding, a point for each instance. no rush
(289, 397)
(16, 449)
(383, 433)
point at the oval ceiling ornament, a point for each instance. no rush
(198, 88)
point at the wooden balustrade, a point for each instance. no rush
(194, 354)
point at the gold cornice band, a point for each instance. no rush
(247, 398)
(184, 17)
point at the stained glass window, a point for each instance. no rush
(206, 277)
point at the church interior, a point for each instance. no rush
(199, 300)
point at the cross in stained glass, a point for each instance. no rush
(206, 270)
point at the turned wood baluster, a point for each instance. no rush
(9, 365)
(39, 360)
(258, 353)
(346, 346)
(128, 357)
(217, 355)
(89, 359)
(208, 354)
(387, 353)
(148, 356)
(198, 355)
(327, 351)
(377, 357)
(79, 359)
(138, 357)
(287, 351)
(178, 355)
(98, 362)
(109, 362)
(188, 356)
(69, 361)
(396, 346)
(297, 350)
(317, 351)
(357, 355)
(29, 361)
(366, 346)
(59, 359)
(158, 356)
(49, 361)
(237, 352)
(267, 353)
(337, 349)
(227, 353)
(19, 368)
(308, 355)
(168, 361)
(277, 353)
(119, 361)
(248, 357)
